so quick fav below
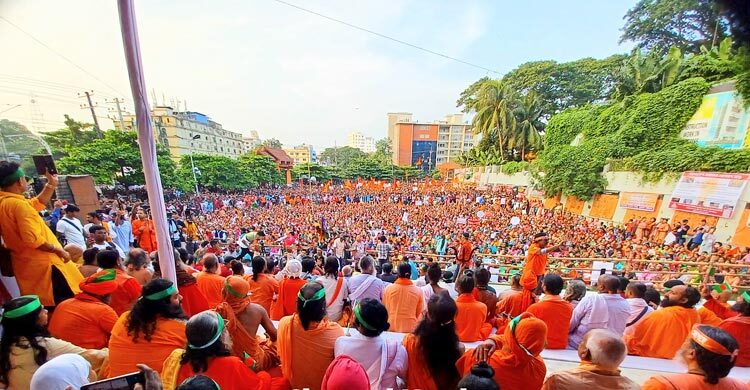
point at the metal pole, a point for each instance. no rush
(192, 164)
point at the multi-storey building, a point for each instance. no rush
(302, 154)
(428, 145)
(250, 143)
(362, 142)
(189, 131)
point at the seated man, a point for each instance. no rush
(307, 339)
(263, 286)
(662, 333)
(404, 301)
(471, 318)
(128, 290)
(639, 309)
(485, 293)
(209, 282)
(606, 310)
(244, 318)
(86, 320)
(601, 353)
(554, 311)
(709, 354)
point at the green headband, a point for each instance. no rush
(162, 294)
(361, 320)
(746, 296)
(219, 331)
(317, 296)
(232, 291)
(109, 275)
(14, 177)
(25, 309)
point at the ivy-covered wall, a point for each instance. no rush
(641, 130)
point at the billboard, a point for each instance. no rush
(638, 201)
(709, 193)
(425, 132)
(721, 120)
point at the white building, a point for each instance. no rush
(454, 138)
(360, 141)
(249, 143)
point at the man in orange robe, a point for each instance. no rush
(128, 289)
(471, 317)
(209, 282)
(534, 268)
(738, 325)
(663, 332)
(144, 232)
(554, 311)
(243, 318)
(307, 339)
(404, 301)
(262, 285)
(286, 302)
(514, 356)
(160, 329)
(86, 320)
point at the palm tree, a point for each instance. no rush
(650, 72)
(527, 134)
(494, 112)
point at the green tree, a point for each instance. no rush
(222, 172)
(319, 172)
(260, 170)
(493, 106)
(715, 64)
(272, 143)
(686, 24)
(340, 156)
(527, 136)
(73, 134)
(115, 158)
(648, 72)
(383, 151)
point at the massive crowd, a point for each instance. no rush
(93, 303)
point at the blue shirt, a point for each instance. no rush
(124, 233)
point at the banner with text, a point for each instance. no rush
(638, 201)
(709, 193)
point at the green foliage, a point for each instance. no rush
(115, 158)
(272, 143)
(642, 123)
(383, 151)
(320, 172)
(715, 64)
(687, 24)
(340, 156)
(513, 167)
(73, 134)
(683, 155)
(221, 172)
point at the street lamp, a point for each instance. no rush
(195, 176)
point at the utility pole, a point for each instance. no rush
(93, 113)
(117, 102)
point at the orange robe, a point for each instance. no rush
(193, 300)
(708, 317)
(262, 351)
(722, 310)
(662, 332)
(556, 313)
(124, 353)
(128, 291)
(405, 303)
(263, 290)
(286, 302)
(23, 230)
(212, 287)
(306, 354)
(536, 264)
(146, 238)
(690, 382)
(470, 319)
(739, 328)
(417, 373)
(84, 321)
(229, 372)
(514, 367)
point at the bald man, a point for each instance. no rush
(601, 353)
(605, 310)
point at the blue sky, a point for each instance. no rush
(261, 65)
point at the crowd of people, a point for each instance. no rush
(286, 288)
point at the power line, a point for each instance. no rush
(49, 85)
(387, 37)
(37, 40)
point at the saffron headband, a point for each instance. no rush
(361, 320)
(162, 294)
(317, 296)
(219, 331)
(14, 177)
(25, 309)
(711, 345)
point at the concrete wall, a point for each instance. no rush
(734, 230)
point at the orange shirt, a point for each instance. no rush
(286, 302)
(128, 291)
(229, 372)
(417, 373)
(662, 332)
(536, 261)
(212, 287)
(124, 353)
(84, 321)
(739, 328)
(147, 237)
(306, 354)
(263, 290)
(708, 317)
(556, 313)
(514, 369)
(722, 310)
(193, 300)
(470, 319)
(512, 305)
(405, 303)
(690, 382)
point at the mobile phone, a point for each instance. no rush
(44, 164)
(122, 382)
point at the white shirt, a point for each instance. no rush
(336, 309)
(368, 351)
(110, 233)
(73, 234)
(108, 246)
(338, 247)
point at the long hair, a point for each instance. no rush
(331, 267)
(142, 318)
(199, 330)
(259, 266)
(311, 311)
(714, 365)
(438, 342)
(14, 329)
